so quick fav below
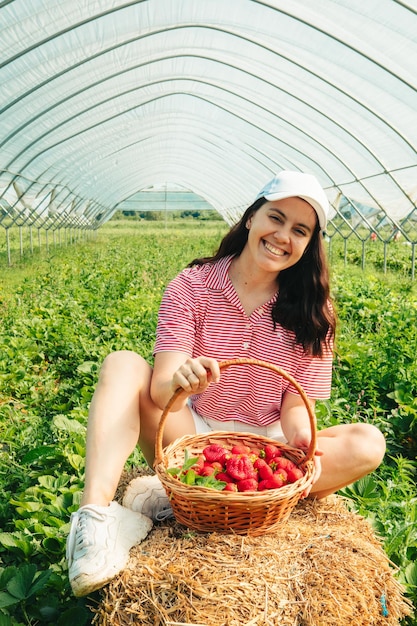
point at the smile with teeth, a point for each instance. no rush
(274, 250)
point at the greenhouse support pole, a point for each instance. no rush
(21, 241)
(413, 260)
(9, 258)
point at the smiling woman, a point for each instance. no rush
(263, 295)
(280, 230)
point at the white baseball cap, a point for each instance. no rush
(288, 184)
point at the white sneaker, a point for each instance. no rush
(146, 495)
(99, 542)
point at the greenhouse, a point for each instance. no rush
(143, 274)
(103, 100)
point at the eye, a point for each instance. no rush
(300, 231)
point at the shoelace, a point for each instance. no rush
(71, 538)
(80, 532)
(164, 514)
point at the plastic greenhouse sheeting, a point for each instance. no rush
(101, 99)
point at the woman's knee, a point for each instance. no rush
(123, 365)
(368, 443)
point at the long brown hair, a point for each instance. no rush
(303, 303)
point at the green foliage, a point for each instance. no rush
(376, 368)
(63, 314)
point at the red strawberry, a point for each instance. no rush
(230, 487)
(207, 470)
(224, 477)
(270, 483)
(240, 467)
(282, 475)
(264, 470)
(284, 463)
(294, 474)
(214, 452)
(248, 484)
(271, 452)
(276, 482)
(263, 485)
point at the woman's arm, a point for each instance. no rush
(177, 369)
(295, 424)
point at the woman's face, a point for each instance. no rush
(279, 232)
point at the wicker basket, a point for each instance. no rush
(247, 513)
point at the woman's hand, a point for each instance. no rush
(195, 375)
(296, 427)
(174, 370)
(301, 439)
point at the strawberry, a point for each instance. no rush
(224, 477)
(282, 476)
(294, 474)
(230, 487)
(207, 470)
(284, 463)
(263, 485)
(264, 470)
(273, 483)
(248, 484)
(271, 452)
(240, 467)
(214, 452)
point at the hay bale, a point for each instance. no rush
(323, 567)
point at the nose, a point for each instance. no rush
(282, 234)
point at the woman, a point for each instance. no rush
(263, 295)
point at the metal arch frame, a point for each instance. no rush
(241, 37)
(34, 217)
(179, 78)
(227, 32)
(191, 95)
(260, 2)
(244, 120)
(162, 96)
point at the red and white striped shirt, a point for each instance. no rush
(201, 315)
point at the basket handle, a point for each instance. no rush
(224, 364)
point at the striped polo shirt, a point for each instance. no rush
(201, 315)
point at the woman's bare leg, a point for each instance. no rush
(350, 452)
(120, 401)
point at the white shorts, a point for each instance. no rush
(206, 425)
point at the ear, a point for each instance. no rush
(248, 222)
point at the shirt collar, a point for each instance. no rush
(217, 276)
